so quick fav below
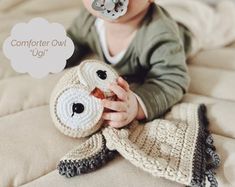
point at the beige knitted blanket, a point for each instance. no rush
(177, 146)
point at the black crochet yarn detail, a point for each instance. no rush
(71, 168)
(206, 160)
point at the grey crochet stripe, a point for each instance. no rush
(206, 160)
(73, 167)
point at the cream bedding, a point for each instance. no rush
(30, 145)
(212, 27)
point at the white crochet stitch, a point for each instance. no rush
(74, 108)
(92, 75)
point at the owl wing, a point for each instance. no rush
(86, 158)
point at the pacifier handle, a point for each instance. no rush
(97, 8)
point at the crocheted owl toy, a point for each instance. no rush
(178, 146)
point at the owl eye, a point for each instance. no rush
(77, 112)
(77, 108)
(101, 74)
(97, 75)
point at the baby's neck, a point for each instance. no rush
(127, 28)
(120, 35)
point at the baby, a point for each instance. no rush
(145, 45)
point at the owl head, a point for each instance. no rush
(75, 103)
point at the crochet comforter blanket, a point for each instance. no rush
(178, 146)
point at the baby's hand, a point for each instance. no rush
(125, 109)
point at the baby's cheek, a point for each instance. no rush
(135, 7)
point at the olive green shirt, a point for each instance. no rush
(155, 59)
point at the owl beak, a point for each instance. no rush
(98, 93)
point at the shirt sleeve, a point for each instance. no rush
(167, 79)
(142, 105)
(78, 32)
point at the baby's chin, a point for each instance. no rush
(118, 20)
(121, 19)
(129, 16)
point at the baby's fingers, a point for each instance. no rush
(124, 84)
(114, 105)
(115, 124)
(119, 91)
(115, 116)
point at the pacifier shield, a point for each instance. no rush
(111, 9)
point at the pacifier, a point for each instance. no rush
(111, 9)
